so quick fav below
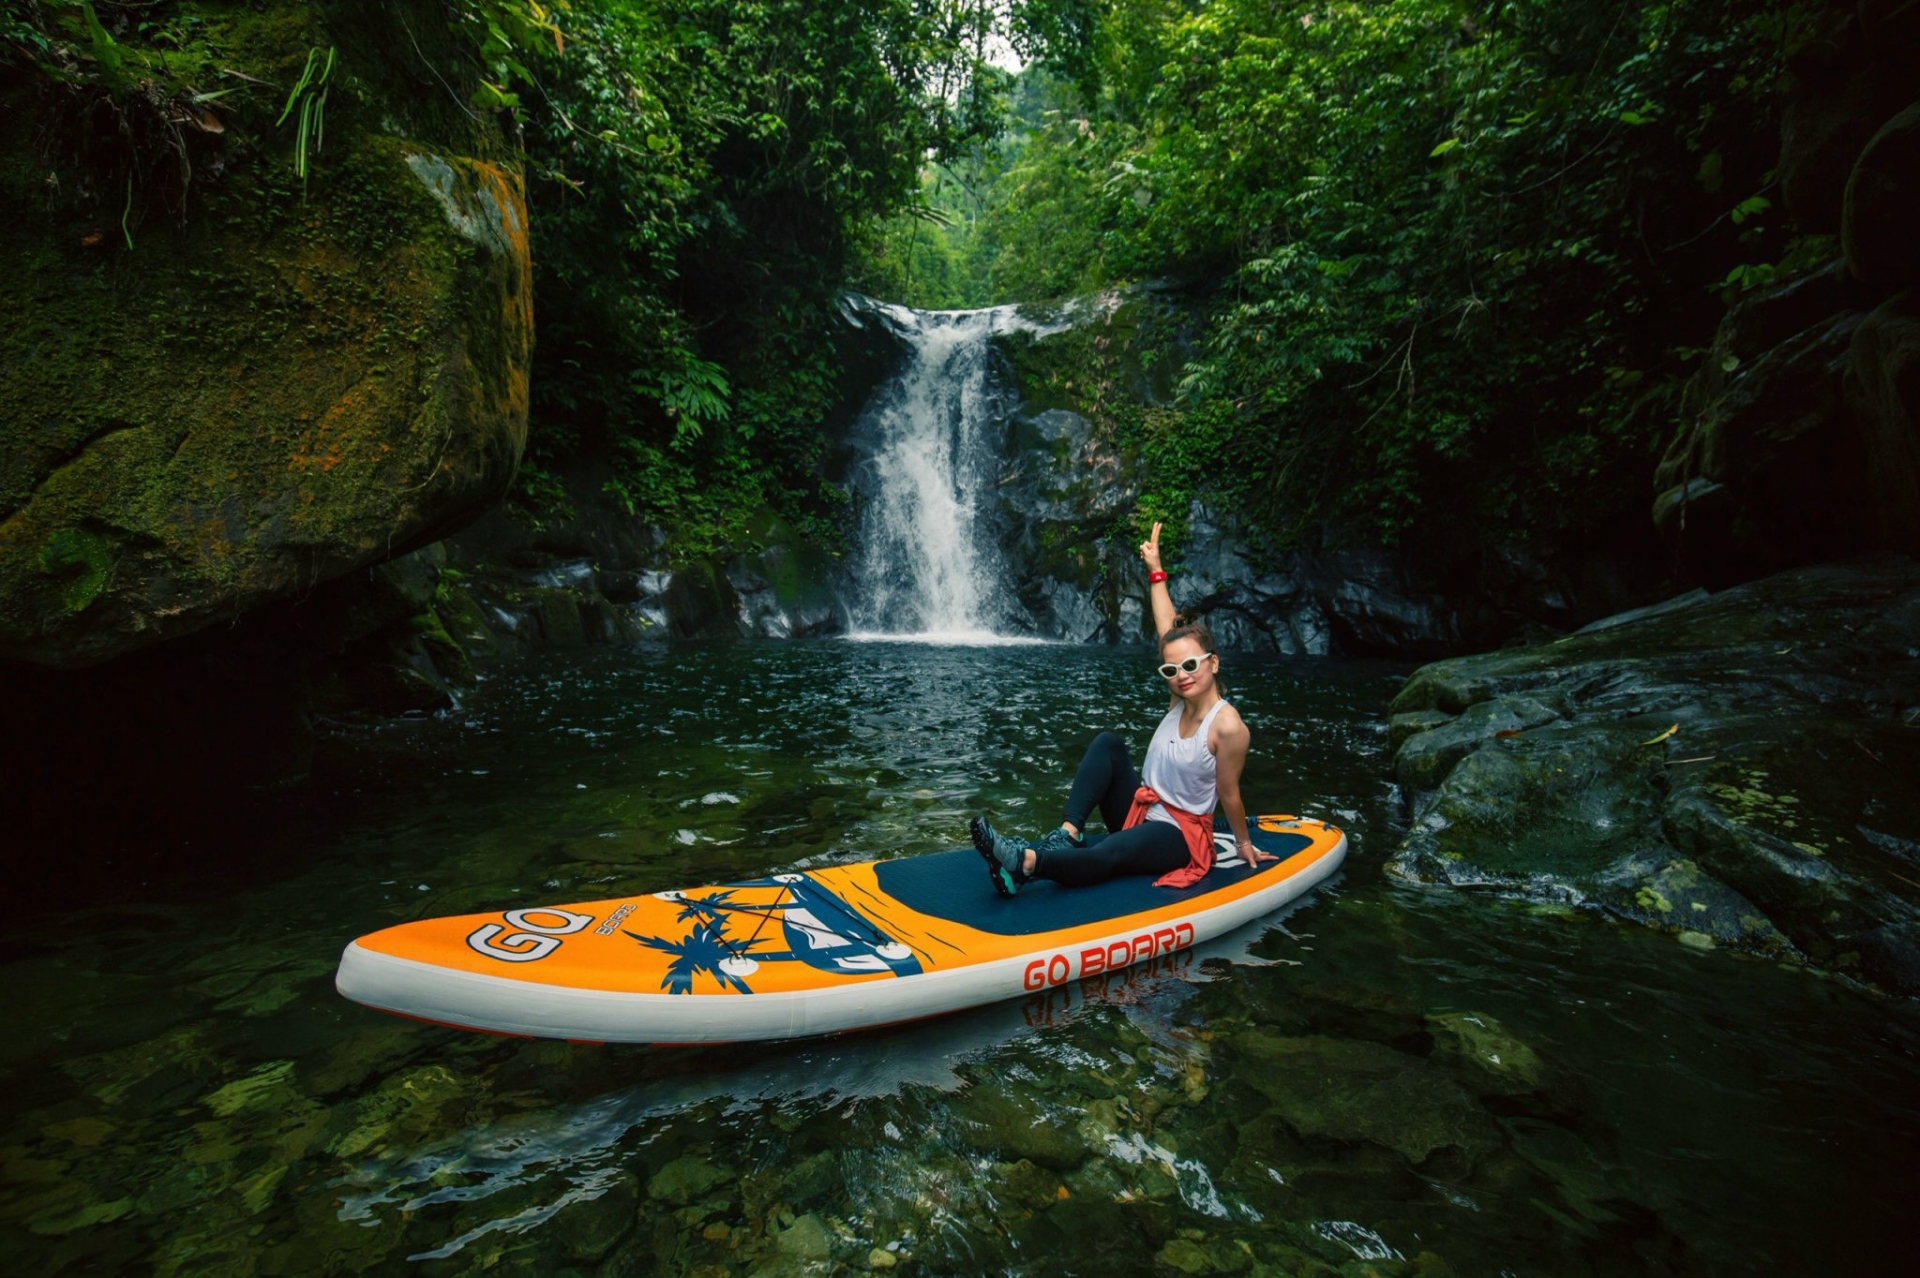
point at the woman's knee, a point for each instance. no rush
(1108, 743)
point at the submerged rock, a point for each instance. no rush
(1497, 1063)
(1352, 1090)
(1019, 1126)
(589, 1226)
(685, 1180)
(1713, 770)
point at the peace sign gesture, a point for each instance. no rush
(1150, 550)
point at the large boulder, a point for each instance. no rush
(1736, 770)
(1882, 388)
(1064, 499)
(1844, 81)
(1880, 219)
(277, 382)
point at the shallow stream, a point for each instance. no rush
(1383, 1080)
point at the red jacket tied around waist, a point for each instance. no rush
(1196, 826)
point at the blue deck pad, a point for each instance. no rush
(954, 886)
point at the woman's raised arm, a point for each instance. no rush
(1157, 591)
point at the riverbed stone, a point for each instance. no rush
(1495, 1059)
(807, 1240)
(1348, 1090)
(685, 1180)
(1019, 1126)
(1184, 1256)
(1025, 1185)
(588, 1228)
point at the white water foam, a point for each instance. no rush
(951, 639)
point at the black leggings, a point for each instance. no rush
(1107, 778)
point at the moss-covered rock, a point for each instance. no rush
(1424, 758)
(1736, 771)
(280, 385)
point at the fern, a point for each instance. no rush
(309, 100)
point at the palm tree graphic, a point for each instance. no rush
(837, 938)
(703, 949)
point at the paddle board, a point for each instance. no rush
(810, 952)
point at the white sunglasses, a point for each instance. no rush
(1170, 670)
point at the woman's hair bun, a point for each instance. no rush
(1183, 628)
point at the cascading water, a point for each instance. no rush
(928, 567)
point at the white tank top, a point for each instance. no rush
(1181, 770)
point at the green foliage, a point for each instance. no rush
(309, 99)
(125, 121)
(1463, 245)
(703, 171)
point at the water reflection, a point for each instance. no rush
(1385, 1077)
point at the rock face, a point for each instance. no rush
(1736, 769)
(280, 385)
(1803, 440)
(1064, 497)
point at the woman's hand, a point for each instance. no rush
(1150, 550)
(1252, 855)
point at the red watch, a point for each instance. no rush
(1156, 577)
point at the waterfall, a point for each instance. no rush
(928, 567)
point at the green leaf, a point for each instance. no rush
(1444, 147)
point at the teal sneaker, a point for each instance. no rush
(1057, 840)
(1002, 855)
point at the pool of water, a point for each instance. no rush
(1382, 1080)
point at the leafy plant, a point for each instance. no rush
(1456, 246)
(309, 99)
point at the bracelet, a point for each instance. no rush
(1155, 577)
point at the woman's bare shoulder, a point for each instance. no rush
(1229, 728)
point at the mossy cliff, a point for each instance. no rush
(224, 389)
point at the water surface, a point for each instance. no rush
(1383, 1080)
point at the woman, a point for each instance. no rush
(1160, 818)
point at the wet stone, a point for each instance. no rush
(684, 1180)
(806, 1240)
(1425, 759)
(1401, 727)
(1019, 1127)
(1026, 1185)
(588, 1228)
(1354, 1091)
(1540, 815)
(1682, 898)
